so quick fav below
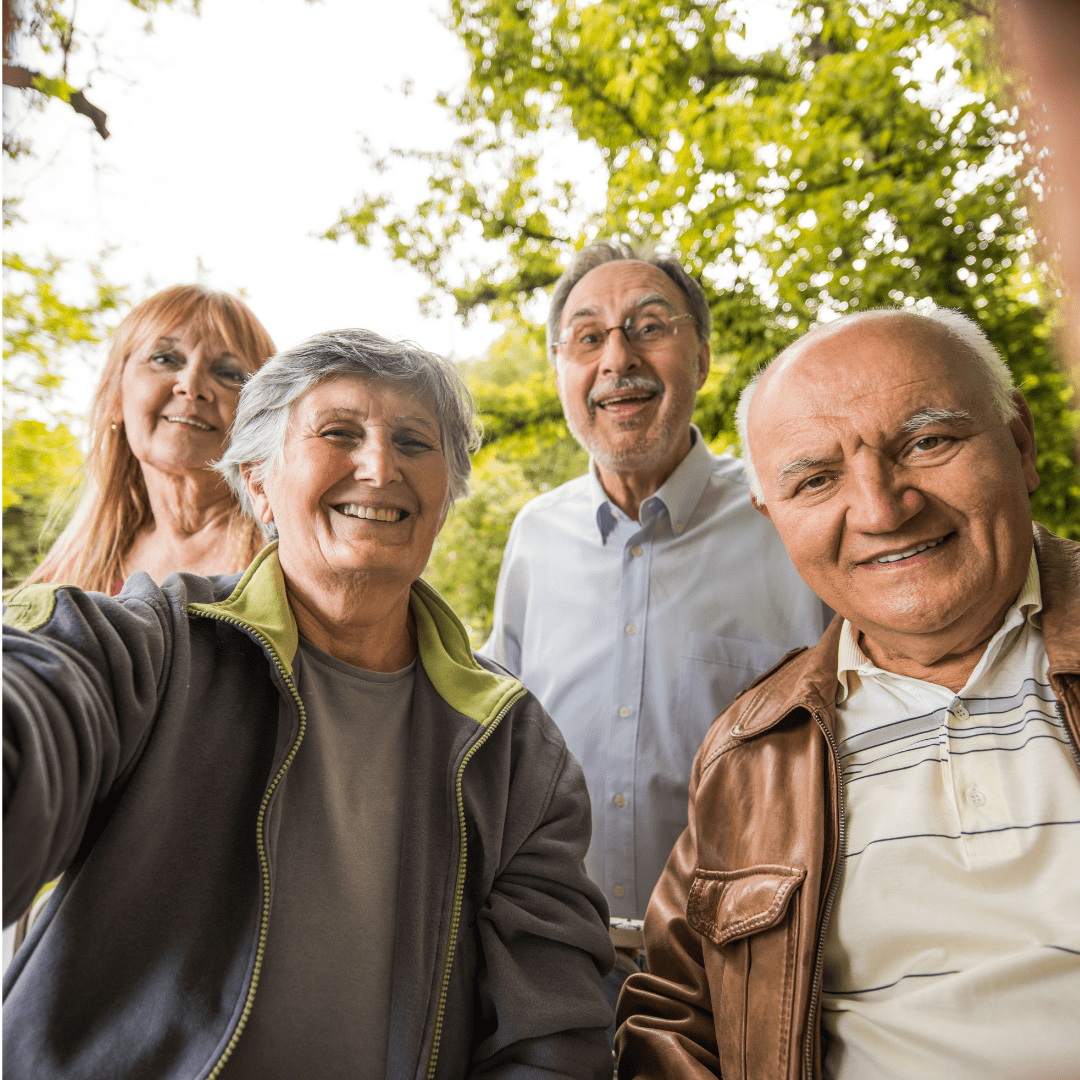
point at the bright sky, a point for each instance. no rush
(235, 140)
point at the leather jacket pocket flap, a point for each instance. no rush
(727, 904)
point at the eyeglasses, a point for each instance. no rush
(645, 332)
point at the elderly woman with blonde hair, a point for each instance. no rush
(160, 418)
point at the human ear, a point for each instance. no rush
(704, 357)
(1022, 430)
(760, 507)
(257, 493)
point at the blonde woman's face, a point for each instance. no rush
(178, 397)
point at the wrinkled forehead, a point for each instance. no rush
(872, 377)
(185, 335)
(615, 288)
(362, 394)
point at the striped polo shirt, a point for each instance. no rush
(954, 943)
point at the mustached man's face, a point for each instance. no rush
(900, 493)
(630, 410)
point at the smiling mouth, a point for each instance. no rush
(915, 549)
(627, 399)
(191, 422)
(372, 513)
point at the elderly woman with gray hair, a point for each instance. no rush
(303, 831)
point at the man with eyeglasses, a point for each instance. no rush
(638, 600)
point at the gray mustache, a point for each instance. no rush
(624, 382)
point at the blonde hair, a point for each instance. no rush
(114, 506)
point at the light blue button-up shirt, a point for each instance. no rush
(635, 635)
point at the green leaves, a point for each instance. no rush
(874, 159)
(39, 327)
(41, 459)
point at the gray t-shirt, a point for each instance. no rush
(323, 1003)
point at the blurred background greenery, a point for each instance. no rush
(875, 158)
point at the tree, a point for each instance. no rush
(41, 455)
(873, 160)
(43, 331)
(50, 26)
(527, 450)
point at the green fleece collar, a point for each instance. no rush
(259, 603)
(449, 662)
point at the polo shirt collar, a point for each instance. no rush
(679, 494)
(852, 660)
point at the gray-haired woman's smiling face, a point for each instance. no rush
(361, 485)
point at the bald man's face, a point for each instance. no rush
(901, 496)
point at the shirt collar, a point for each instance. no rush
(679, 494)
(852, 660)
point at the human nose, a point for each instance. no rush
(375, 459)
(879, 498)
(194, 380)
(618, 356)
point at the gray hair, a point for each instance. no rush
(595, 255)
(964, 331)
(258, 433)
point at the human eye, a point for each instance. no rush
(930, 447)
(587, 336)
(339, 433)
(166, 360)
(231, 375)
(413, 442)
(930, 442)
(815, 484)
(649, 325)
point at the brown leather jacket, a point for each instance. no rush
(736, 927)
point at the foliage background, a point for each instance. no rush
(875, 158)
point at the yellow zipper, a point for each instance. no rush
(459, 888)
(264, 864)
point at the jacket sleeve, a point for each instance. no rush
(665, 1014)
(82, 673)
(544, 943)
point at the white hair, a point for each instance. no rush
(258, 433)
(965, 331)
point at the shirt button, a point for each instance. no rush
(631, 629)
(975, 796)
(619, 891)
(624, 712)
(679, 526)
(635, 551)
(960, 712)
(620, 799)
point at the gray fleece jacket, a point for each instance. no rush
(147, 738)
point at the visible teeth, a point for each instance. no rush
(372, 513)
(908, 552)
(187, 421)
(624, 401)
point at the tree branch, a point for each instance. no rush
(24, 79)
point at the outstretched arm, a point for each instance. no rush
(82, 676)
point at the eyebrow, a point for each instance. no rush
(928, 417)
(798, 467)
(916, 422)
(643, 301)
(339, 410)
(224, 355)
